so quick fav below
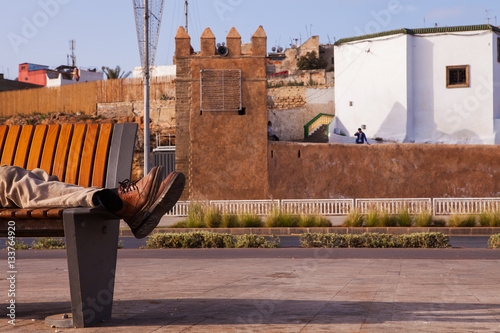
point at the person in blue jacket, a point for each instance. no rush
(361, 137)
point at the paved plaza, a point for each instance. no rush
(274, 290)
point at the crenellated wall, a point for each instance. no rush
(222, 153)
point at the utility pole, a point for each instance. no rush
(146, 88)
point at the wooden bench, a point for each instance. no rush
(87, 155)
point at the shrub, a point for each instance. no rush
(404, 218)
(230, 221)
(374, 240)
(388, 220)
(213, 218)
(494, 241)
(204, 239)
(311, 221)
(489, 219)
(48, 243)
(424, 219)
(465, 221)
(250, 221)
(438, 222)
(282, 220)
(196, 215)
(18, 245)
(354, 219)
(180, 224)
(372, 218)
(254, 241)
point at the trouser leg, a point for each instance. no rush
(36, 189)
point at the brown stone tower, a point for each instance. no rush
(221, 111)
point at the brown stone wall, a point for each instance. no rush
(321, 171)
(286, 97)
(223, 154)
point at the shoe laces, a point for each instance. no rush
(127, 186)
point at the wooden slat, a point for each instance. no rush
(23, 213)
(3, 134)
(55, 213)
(7, 214)
(49, 148)
(35, 155)
(10, 145)
(23, 146)
(101, 155)
(87, 161)
(39, 213)
(75, 154)
(61, 157)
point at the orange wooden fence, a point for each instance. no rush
(82, 97)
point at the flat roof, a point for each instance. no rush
(407, 31)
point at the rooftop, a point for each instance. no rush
(420, 31)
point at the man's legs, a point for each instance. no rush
(36, 189)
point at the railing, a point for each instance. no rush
(320, 119)
(448, 206)
(342, 207)
(394, 206)
(257, 207)
(326, 207)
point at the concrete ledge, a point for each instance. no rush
(475, 231)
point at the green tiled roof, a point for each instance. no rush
(421, 31)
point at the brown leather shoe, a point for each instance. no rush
(138, 196)
(169, 192)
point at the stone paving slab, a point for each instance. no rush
(272, 294)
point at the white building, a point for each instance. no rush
(439, 85)
(64, 75)
(163, 70)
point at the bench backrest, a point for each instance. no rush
(83, 154)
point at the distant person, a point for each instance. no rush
(361, 137)
(270, 133)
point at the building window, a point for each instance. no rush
(498, 49)
(457, 76)
(220, 90)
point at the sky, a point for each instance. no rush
(39, 31)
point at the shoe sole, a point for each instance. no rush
(139, 216)
(165, 202)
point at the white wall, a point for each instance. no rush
(163, 70)
(452, 115)
(373, 75)
(85, 76)
(496, 85)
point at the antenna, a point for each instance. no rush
(72, 56)
(186, 13)
(488, 18)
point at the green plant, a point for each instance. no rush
(230, 221)
(48, 243)
(310, 61)
(213, 218)
(438, 222)
(489, 219)
(250, 221)
(281, 219)
(311, 221)
(424, 219)
(196, 215)
(375, 240)
(120, 244)
(372, 218)
(204, 239)
(388, 220)
(254, 241)
(494, 241)
(180, 224)
(18, 245)
(464, 221)
(404, 217)
(354, 219)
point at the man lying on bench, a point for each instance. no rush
(141, 204)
